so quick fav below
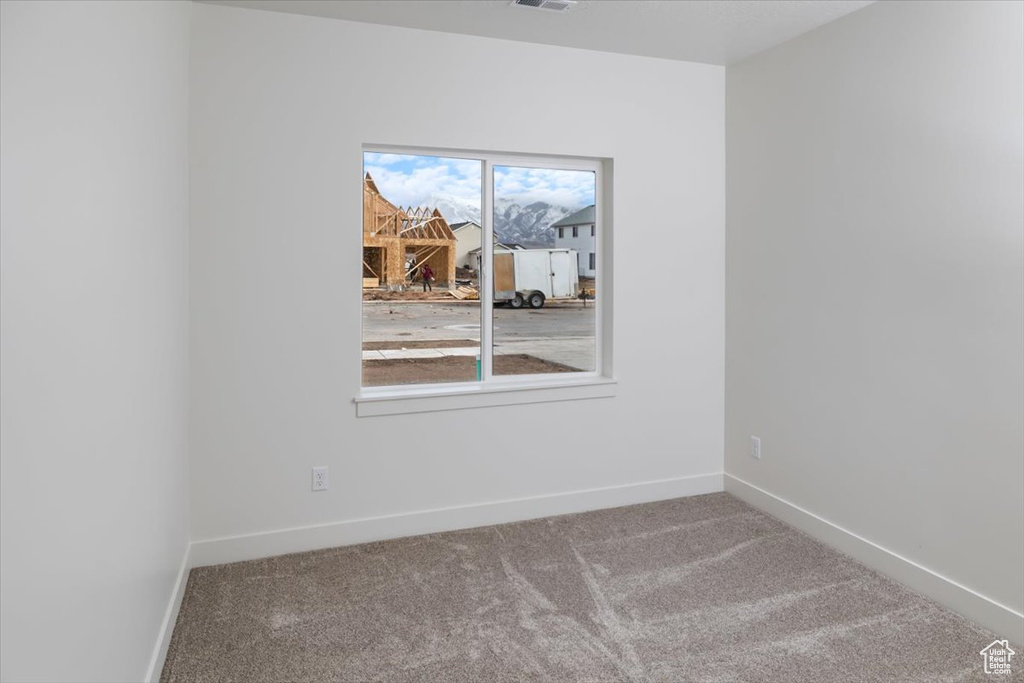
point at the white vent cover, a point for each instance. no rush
(553, 5)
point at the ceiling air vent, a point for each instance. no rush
(553, 5)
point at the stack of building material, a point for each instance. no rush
(462, 293)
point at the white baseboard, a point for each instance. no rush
(300, 539)
(163, 639)
(1004, 621)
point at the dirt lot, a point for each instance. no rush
(415, 293)
(411, 295)
(450, 369)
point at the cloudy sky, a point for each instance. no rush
(411, 180)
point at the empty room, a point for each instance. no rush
(473, 341)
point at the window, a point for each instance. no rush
(575, 231)
(592, 234)
(496, 308)
(561, 233)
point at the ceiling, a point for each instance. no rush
(708, 31)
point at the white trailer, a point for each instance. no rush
(532, 276)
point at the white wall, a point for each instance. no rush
(94, 300)
(875, 282)
(281, 105)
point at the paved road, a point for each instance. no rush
(561, 333)
(390, 321)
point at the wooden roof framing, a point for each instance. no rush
(397, 230)
(384, 219)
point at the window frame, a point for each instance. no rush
(497, 390)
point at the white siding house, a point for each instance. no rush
(578, 231)
(468, 236)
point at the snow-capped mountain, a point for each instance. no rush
(528, 225)
(455, 209)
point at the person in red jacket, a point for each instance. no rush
(428, 277)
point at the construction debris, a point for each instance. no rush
(463, 293)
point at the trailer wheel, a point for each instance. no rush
(516, 302)
(536, 300)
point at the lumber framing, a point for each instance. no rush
(391, 233)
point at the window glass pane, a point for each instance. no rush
(421, 238)
(542, 321)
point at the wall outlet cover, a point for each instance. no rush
(320, 481)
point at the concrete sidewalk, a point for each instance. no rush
(394, 354)
(576, 352)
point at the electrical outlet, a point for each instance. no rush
(755, 448)
(320, 478)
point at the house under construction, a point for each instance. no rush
(394, 238)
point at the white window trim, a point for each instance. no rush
(511, 389)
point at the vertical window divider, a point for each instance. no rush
(487, 270)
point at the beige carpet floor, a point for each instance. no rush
(696, 589)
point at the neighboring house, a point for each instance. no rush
(468, 236)
(474, 255)
(578, 232)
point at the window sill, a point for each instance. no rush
(405, 400)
